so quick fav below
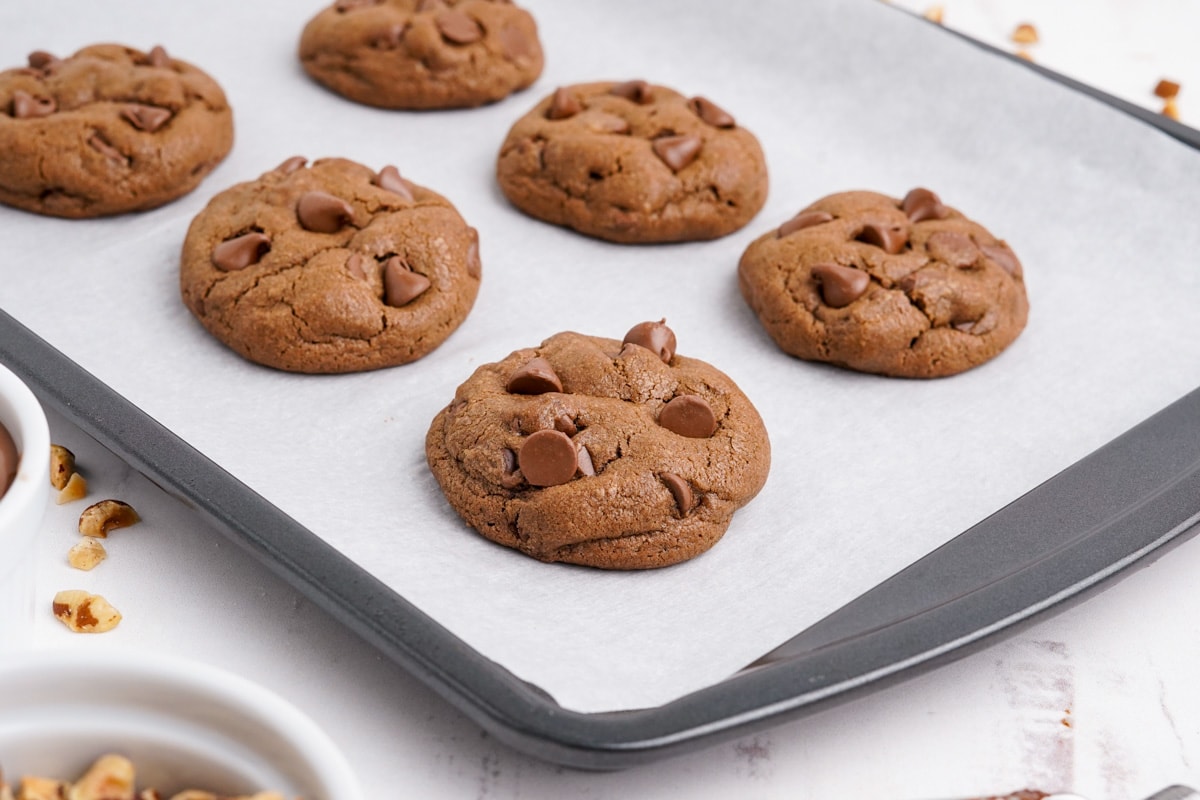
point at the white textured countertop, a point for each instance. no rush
(1100, 700)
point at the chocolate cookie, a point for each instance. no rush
(108, 130)
(619, 455)
(330, 268)
(909, 288)
(632, 162)
(421, 54)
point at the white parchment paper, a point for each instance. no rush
(869, 473)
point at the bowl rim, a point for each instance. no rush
(199, 679)
(31, 431)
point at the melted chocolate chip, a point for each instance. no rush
(711, 113)
(922, 204)
(389, 180)
(536, 376)
(655, 337)
(1002, 255)
(637, 91)
(26, 106)
(564, 105)
(240, 251)
(891, 239)
(43, 61)
(564, 424)
(291, 165)
(953, 248)
(548, 458)
(840, 286)
(805, 219)
(145, 118)
(101, 146)
(677, 151)
(586, 467)
(474, 264)
(457, 27)
(400, 284)
(511, 478)
(157, 57)
(323, 213)
(356, 265)
(688, 415)
(685, 501)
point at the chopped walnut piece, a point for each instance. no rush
(76, 489)
(87, 554)
(1170, 109)
(109, 778)
(32, 788)
(62, 466)
(1025, 33)
(85, 613)
(100, 518)
(1167, 90)
(1025, 54)
(935, 14)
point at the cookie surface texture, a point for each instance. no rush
(108, 130)
(422, 54)
(592, 451)
(632, 162)
(907, 288)
(332, 267)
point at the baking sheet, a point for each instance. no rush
(869, 473)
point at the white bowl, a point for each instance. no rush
(21, 509)
(185, 725)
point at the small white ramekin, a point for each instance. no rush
(185, 725)
(21, 509)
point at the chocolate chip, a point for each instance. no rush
(240, 251)
(677, 151)
(474, 264)
(511, 478)
(953, 248)
(536, 376)
(564, 105)
(892, 239)
(400, 284)
(655, 337)
(457, 27)
(323, 213)
(145, 118)
(101, 146)
(805, 219)
(637, 91)
(685, 501)
(688, 415)
(26, 106)
(711, 113)
(43, 61)
(922, 204)
(840, 286)
(389, 180)
(516, 45)
(157, 57)
(586, 467)
(1005, 257)
(356, 265)
(291, 165)
(565, 424)
(548, 458)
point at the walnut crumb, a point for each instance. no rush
(935, 14)
(62, 466)
(1025, 33)
(1170, 109)
(85, 613)
(1167, 90)
(87, 554)
(76, 489)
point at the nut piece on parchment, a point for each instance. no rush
(107, 515)
(935, 14)
(86, 555)
(1166, 89)
(85, 613)
(62, 466)
(76, 489)
(1025, 33)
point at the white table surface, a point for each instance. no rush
(1100, 700)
